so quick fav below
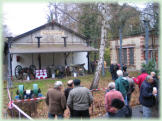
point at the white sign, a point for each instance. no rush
(52, 32)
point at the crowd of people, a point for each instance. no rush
(148, 88)
(78, 98)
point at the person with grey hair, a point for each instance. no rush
(111, 95)
(122, 85)
(155, 78)
(147, 96)
(56, 101)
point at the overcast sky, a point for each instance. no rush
(22, 17)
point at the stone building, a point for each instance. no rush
(133, 50)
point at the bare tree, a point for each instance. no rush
(104, 12)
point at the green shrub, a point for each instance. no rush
(151, 66)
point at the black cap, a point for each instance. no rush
(76, 82)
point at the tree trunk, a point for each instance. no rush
(96, 79)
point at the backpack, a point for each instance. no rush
(125, 84)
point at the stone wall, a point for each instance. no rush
(138, 43)
(131, 42)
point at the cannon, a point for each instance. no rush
(78, 69)
(30, 71)
(60, 71)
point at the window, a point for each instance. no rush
(131, 56)
(124, 56)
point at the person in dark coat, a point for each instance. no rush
(93, 66)
(156, 85)
(70, 85)
(124, 68)
(112, 71)
(155, 78)
(147, 96)
(131, 85)
(116, 67)
(122, 111)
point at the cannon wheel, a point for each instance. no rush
(18, 72)
(32, 67)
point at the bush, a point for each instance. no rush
(151, 66)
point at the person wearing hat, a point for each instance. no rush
(56, 101)
(79, 100)
(70, 85)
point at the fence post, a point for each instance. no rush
(92, 102)
(9, 81)
(19, 115)
(11, 104)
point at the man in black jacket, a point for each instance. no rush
(147, 96)
(112, 71)
(69, 88)
(70, 85)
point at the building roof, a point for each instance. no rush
(151, 32)
(46, 47)
(49, 48)
(48, 24)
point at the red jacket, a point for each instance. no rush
(140, 79)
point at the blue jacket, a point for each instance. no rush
(146, 97)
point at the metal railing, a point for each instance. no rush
(11, 105)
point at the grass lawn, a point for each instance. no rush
(95, 110)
